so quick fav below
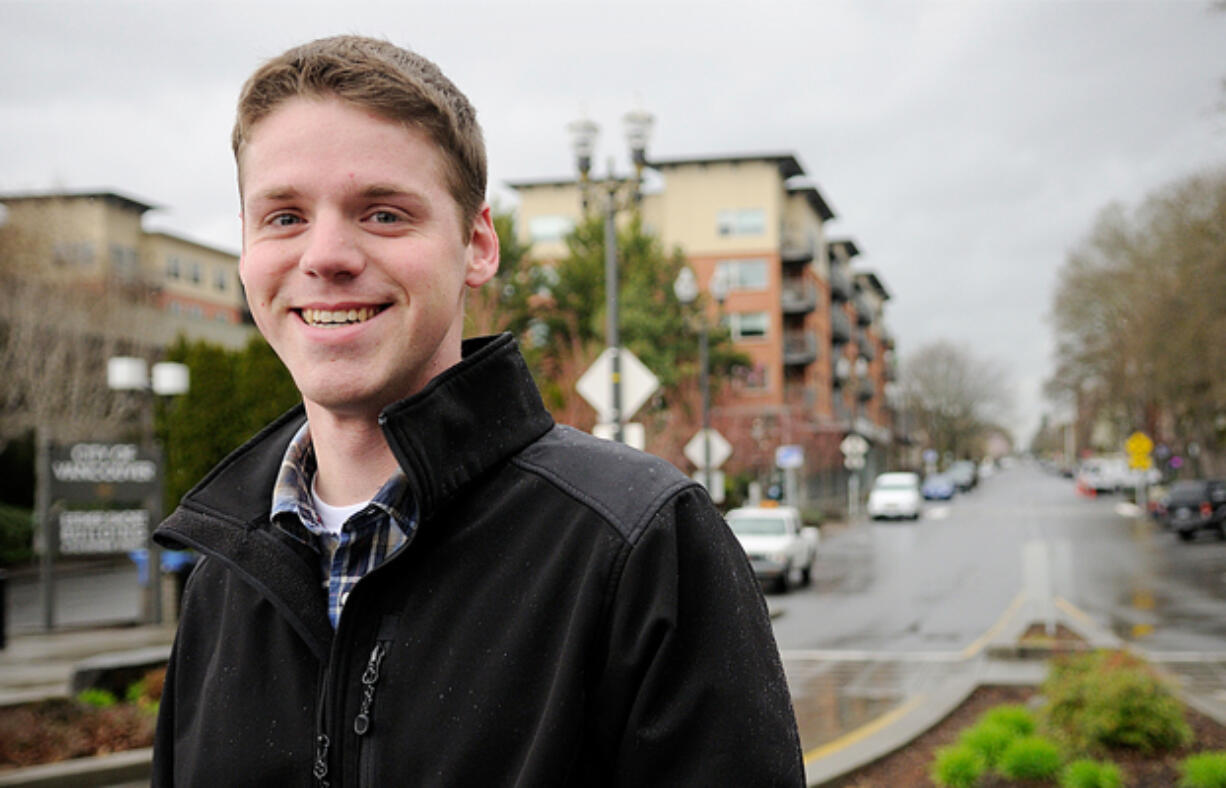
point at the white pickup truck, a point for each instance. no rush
(777, 542)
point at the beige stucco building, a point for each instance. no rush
(83, 280)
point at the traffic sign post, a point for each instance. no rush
(1139, 447)
(708, 450)
(854, 447)
(637, 384)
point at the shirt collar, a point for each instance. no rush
(291, 493)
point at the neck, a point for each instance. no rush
(352, 456)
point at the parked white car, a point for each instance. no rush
(777, 542)
(895, 495)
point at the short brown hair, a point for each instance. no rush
(395, 83)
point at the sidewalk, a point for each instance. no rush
(852, 707)
(40, 665)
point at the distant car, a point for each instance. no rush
(1195, 505)
(938, 487)
(895, 495)
(965, 474)
(777, 542)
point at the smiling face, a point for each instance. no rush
(354, 257)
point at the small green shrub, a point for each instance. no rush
(1014, 716)
(1091, 774)
(1204, 770)
(1030, 758)
(989, 739)
(1112, 699)
(16, 535)
(957, 767)
(98, 698)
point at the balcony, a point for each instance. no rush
(797, 246)
(864, 312)
(799, 297)
(865, 391)
(840, 284)
(840, 327)
(868, 348)
(798, 395)
(799, 347)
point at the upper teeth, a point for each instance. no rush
(321, 316)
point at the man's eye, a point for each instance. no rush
(284, 220)
(385, 217)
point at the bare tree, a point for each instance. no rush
(1139, 321)
(954, 397)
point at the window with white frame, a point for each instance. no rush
(546, 229)
(747, 325)
(748, 274)
(221, 279)
(741, 221)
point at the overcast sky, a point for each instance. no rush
(966, 147)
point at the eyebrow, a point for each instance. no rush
(375, 191)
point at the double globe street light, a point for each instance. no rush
(583, 133)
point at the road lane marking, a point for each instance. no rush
(864, 731)
(982, 641)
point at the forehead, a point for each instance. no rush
(314, 139)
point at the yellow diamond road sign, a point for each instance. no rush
(1139, 446)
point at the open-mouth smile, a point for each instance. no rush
(338, 317)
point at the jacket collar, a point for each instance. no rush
(469, 419)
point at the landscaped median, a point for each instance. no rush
(1090, 718)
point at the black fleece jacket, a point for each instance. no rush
(568, 612)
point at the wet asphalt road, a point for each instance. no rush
(939, 584)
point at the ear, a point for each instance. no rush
(482, 249)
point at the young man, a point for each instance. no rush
(417, 578)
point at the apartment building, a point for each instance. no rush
(812, 328)
(81, 281)
(94, 242)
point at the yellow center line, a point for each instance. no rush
(979, 643)
(864, 731)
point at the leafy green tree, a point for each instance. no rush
(567, 331)
(233, 394)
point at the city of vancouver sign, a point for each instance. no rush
(103, 474)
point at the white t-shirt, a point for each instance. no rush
(333, 517)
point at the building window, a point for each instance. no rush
(125, 263)
(193, 272)
(81, 253)
(221, 279)
(754, 377)
(546, 229)
(743, 274)
(173, 267)
(747, 325)
(743, 221)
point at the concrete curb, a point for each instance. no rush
(887, 734)
(1007, 662)
(97, 770)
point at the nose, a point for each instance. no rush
(332, 251)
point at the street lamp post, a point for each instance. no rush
(127, 373)
(686, 288)
(583, 141)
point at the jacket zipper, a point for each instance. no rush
(362, 723)
(319, 769)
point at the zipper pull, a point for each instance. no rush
(370, 677)
(320, 770)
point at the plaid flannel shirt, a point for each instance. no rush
(367, 538)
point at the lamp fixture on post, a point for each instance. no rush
(169, 379)
(583, 134)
